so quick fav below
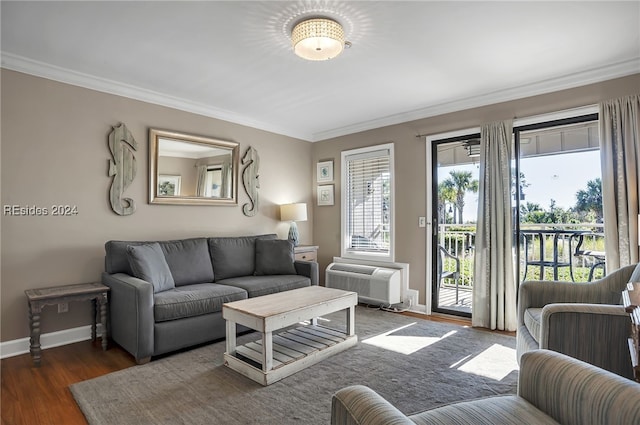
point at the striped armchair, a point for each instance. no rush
(552, 388)
(582, 320)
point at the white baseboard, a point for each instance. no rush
(48, 340)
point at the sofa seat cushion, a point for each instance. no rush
(194, 300)
(532, 322)
(496, 410)
(264, 285)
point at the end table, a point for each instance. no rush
(38, 298)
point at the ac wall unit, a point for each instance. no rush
(374, 285)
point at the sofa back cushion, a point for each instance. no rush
(234, 256)
(116, 259)
(148, 263)
(188, 260)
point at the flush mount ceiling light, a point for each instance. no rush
(318, 39)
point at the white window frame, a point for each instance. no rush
(345, 250)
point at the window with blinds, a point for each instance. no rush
(367, 201)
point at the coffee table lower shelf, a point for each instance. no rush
(293, 350)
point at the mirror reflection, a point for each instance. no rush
(189, 169)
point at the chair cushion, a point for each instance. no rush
(194, 300)
(148, 263)
(274, 256)
(532, 322)
(188, 260)
(234, 256)
(496, 410)
(264, 285)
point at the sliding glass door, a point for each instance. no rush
(454, 214)
(560, 227)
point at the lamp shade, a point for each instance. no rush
(317, 39)
(293, 212)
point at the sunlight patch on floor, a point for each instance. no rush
(404, 344)
(496, 362)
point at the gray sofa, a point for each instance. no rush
(552, 389)
(168, 295)
(582, 320)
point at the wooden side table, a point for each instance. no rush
(306, 253)
(38, 298)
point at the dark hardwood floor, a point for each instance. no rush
(40, 395)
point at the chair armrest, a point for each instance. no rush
(131, 313)
(308, 269)
(574, 392)
(357, 404)
(594, 333)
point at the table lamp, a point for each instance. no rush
(293, 213)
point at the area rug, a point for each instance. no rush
(415, 364)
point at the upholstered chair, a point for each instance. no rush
(552, 389)
(583, 320)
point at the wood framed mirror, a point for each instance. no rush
(185, 169)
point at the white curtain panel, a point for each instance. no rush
(201, 186)
(494, 287)
(620, 157)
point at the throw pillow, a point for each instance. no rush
(274, 256)
(148, 263)
(234, 256)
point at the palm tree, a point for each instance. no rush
(446, 193)
(463, 182)
(590, 200)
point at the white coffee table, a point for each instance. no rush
(277, 356)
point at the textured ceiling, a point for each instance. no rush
(233, 60)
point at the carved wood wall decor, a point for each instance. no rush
(250, 180)
(122, 168)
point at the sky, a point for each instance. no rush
(556, 177)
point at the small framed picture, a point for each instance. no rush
(169, 185)
(325, 171)
(325, 194)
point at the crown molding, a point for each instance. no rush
(596, 75)
(68, 76)
(64, 75)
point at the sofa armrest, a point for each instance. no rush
(357, 404)
(574, 392)
(131, 314)
(308, 269)
(594, 333)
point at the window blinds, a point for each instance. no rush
(368, 201)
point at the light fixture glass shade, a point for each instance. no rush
(293, 212)
(318, 39)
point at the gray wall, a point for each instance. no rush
(55, 151)
(410, 161)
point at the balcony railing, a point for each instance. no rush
(567, 252)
